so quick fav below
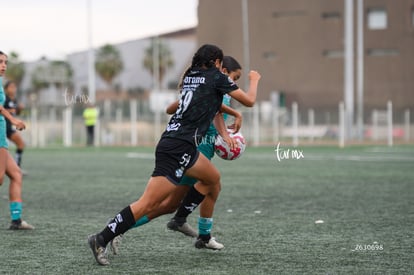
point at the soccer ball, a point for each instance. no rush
(223, 150)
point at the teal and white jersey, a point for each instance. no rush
(3, 139)
(2, 96)
(212, 131)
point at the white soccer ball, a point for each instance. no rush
(223, 150)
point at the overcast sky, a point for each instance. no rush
(55, 28)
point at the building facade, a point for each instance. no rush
(298, 47)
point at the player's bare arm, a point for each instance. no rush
(222, 130)
(238, 118)
(16, 122)
(248, 99)
(172, 108)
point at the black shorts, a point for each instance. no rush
(10, 130)
(173, 157)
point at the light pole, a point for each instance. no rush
(91, 55)
(360, 69)
(349, 67)
(246, 60)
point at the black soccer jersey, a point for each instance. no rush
(11, 104)
(201, 98)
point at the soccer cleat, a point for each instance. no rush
(185, 228)
(211, 244)
(98, 250)
(115, 244)
(21, 226)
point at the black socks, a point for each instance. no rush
(116, 226)
(19, 153)
(188, 205)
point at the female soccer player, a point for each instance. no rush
(14, 108)
(7, 164)
(176, 153)
(231, 68)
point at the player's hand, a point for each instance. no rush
(231, 142)
(18, 124)
(237, 123)
(254, 76)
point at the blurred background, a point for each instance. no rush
(333, 71)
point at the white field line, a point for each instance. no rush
(134, 155)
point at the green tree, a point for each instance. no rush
(15, 69)
(165, 59)
(108, 63)
(54, 72)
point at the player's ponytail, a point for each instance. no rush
(206, 57)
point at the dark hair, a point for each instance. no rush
(231, 64)
(205, 56)
(2, 53)
(8, 83)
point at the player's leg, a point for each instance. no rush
(3, 163)
(205, 223)
(179, 223)
(208, 186)
(156, 191)
(168, 205)
(16, 138)
(172, 159)
(89, 135)
(15, 195)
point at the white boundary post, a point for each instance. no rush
(34, 127)
(295, 123)
(389, 123)
(67, 129)
(341, 125)
(42, 136)
(311, 120)
(97, 130)
(118, 119)
(133, 113)
(107, 110)
(256, 124)
(375, 124)
(275, 119)
(407, 125)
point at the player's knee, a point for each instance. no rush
(215, 178)
(16, 177)
(21, 146)
(218, 186)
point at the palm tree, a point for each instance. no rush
(15, 69)
(56, 72)
(165, 59)
(108, 63)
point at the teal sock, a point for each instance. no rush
(204, 225)
(143, 220)
(15, 210)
